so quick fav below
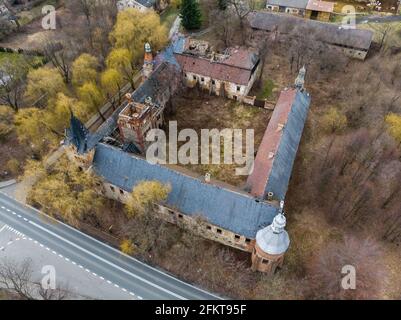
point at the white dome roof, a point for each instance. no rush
(274, 239)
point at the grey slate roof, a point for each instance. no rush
(329, 33)
(301, 4)
(146, 3)
(287, 151)
(231, 210)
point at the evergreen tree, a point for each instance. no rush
(222, 4)
(190, 14)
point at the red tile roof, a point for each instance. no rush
(237, 68)
(317, 5)
(270, 143)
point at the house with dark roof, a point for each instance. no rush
(296, 7)
(212, 209)
(230, 74)
(354, 43)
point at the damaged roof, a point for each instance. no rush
(150, 88)
(236, 211)
(326, 32)
(236, 67)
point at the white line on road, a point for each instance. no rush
(3, 227)
(108, 262)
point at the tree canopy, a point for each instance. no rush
(144, 195)
(84, 69)
(190, 14)
(134, 28)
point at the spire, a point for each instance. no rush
(274, 239)
(147, 62)
(279, 220)
(147, 48)
(300, 80)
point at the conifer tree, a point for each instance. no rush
(190, 14)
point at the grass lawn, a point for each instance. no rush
(168, 16)
(267, 89)
(35, 61)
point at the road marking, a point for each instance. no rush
(116, 285)
(25, 219)
(109, 248)
(108, 262)
(19, 216)
(9, 242)
(74, 263)
(3, 227)
(2, 248)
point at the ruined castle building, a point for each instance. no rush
(277, 151)
(234, 217)
(136, 119)
(271, 244)
(230, 74)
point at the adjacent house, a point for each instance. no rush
(141, 5)
(353, 42)
(296, 7)
(230, 73)
(319, 10)
(310, 9)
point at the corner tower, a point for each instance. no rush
(147, 62)
(271, 244)
(77, 145)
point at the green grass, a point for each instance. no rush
(267, 90)
(35, 61)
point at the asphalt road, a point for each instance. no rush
(77, 282)
(130, 275)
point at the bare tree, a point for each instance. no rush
(12, 80)
(61, 56)
(18, 278)
(326, 270)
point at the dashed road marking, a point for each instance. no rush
(23, 237)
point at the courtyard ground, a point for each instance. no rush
(197, 110)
